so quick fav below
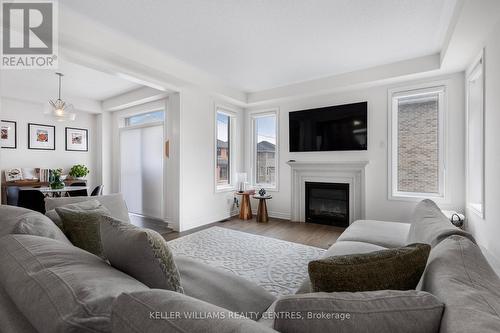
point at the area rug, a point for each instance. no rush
(278, 266)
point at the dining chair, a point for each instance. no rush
(12, 195)
(97, 191)
(32, 199)
(78, 193)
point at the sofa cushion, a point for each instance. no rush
(11, 319)
(59, 287)
(459, 275)
(429, 225)
(374, 311)
(113, 202)
(386, 234)
(222, 288)
(395, 269)
(36, 224)
(339, 249)
(158, 311)
(9, 217)
(141, 253)
(81, 223)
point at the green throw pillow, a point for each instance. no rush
(394, 269)
(141, 253)
(81, 224)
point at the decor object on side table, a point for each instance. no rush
(41, 137)
(245, 208)
(455, 218)
(262, 215)
(8, 134)
(29, 174)
(77, 139)
(13, 174)
(79, 171)
(55, 180)
(242, 179)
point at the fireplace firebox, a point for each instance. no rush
(327, 203)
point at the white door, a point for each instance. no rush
(141, 171)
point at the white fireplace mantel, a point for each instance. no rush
(345, 172)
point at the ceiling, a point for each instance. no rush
(78, 81)
(260, 44)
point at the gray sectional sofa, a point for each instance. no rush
(48, 285)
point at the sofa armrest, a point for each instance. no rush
(158, 311)
(373, 311)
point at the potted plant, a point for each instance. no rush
(55, 180)
(79, 171)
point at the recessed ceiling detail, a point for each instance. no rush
(257, 45)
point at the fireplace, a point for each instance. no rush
(327, 203)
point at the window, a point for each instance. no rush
(417, 149)
(145, 118)
(475, 138)
(265, 149)
(223, 160)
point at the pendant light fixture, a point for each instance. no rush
(60, 110)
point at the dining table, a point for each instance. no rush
(48, 191)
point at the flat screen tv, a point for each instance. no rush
(331, 128)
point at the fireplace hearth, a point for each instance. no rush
(327, 203)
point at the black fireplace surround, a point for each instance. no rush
(327, 203)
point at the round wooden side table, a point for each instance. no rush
(262, 209)
(245, 208)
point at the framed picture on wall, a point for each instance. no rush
(8, 134)
(41, 137)
(77, 139)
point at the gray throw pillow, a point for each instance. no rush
(379, 311)
(52, 214)
(113, 202)
(395, 269)
(39, 225)
(141, 253)
(81, 224)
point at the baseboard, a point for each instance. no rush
(210, 219)
(276, 215)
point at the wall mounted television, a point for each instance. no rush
(331, 128)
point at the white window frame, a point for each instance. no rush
(393, 96)
(232, 151)
(253, 151)
(475, 70)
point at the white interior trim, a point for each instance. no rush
(253, 144)
(393, 95)
(232, 114)
(477, 68)
(348, 172)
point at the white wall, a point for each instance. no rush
(377, 204)
(24, 112)
(104, 151)
(200, 203)
(487, 230)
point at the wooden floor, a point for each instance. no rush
(317, 235)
